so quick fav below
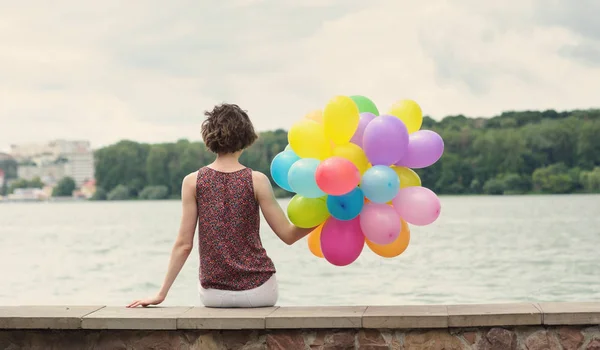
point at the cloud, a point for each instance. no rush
(146, 70)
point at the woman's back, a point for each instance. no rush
(231, 253)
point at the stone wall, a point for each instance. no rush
(530, 338)
(553, 326)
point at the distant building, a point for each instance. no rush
(54, 160)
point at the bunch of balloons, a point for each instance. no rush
(351, 171)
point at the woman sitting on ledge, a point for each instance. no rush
(223, 199)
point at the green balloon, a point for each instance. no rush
(307, 212)
(364, 104)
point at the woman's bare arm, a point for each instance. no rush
(273, 212)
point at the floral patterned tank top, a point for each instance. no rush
(231, 253)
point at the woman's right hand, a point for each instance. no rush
(145, 302)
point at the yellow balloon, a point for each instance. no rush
(407, 176)
(395, 248)
(353, 153)
(307, 139)
(314, 241)
(410, 113)
(340, 118)
(307, 212)
(316, 115)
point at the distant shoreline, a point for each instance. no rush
(64, 200)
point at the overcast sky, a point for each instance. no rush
(147, 69)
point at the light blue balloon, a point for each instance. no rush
(288, 147)
(280, 166)
(301, 178)
(346, 206)
(380, 184)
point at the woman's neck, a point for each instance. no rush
(227, 162)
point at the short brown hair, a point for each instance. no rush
(227, 129)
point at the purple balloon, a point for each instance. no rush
(385, 140)
(365, 119)
(342, 241)
(425, 147)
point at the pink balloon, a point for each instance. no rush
(337, 176)
(380, 223)
(425, 147)
(365, 119)
(342, 241)
(417, 205)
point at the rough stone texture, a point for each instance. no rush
(470, 337)
(432, 340)
(498, 339)
(542, 340)
(570, 338)
(593, 345)
(371, 339)
(522, 338)
(291, 340)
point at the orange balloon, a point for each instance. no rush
(316, 115)
(395, 248)
(314, 241)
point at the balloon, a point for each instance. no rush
(340, 119)
(365, 119)
(346, 206)
(364, 104)
(380, 223)
(385, 140)
(395, 248)
(342, 241)
(288, 147)
(410, 113)
(307, 139)
(408, 177)
(337, 176)
(417, 205)
(314, 241)
(316, 115)
(307, 212)
(353, 153)
(380, 184)
(301, 178)
(425, 147)
(280, 166)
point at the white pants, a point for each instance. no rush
(261, 296)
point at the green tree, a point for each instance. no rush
(554, 178)
(590, 180)
(154, 192)
(100, 194)
(119, 193)
(65, 187)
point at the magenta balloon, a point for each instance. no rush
(380, 223)
(365, 119)
(342, 241)
(425, 147)
(417, 205)
(385, 140)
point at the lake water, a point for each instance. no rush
(481, 250)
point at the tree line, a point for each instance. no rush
(513, 153)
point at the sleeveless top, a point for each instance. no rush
(231, 253)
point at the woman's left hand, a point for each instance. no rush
(145, 302)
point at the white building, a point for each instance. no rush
(51, 161)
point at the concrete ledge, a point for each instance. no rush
(372, 317)
(570, 313)
(209, 318)
(137, 318)
(404, 317)
(316, 317)
(494, 315)
(44, 317)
